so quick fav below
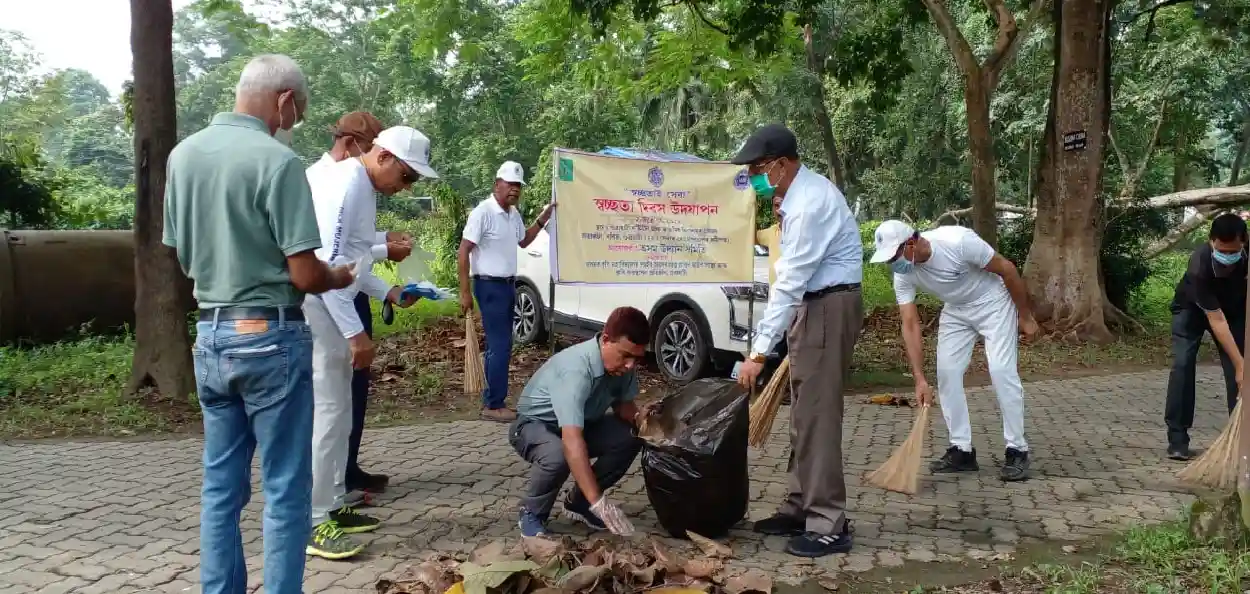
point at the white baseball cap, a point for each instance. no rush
(410, 145)
(889, 236)
(511, 172)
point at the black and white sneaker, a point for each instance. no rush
(814, 544)
(955, 460)
(1015, 466)
(1180, 453)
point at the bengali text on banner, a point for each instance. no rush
(634, 221)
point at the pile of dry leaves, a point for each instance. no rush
(546, 566)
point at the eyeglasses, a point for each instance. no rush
(410, 175)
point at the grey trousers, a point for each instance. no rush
(609, 441)
(821, 342)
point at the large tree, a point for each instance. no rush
(980, 81)
(162, 344)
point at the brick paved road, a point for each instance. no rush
(122, 516)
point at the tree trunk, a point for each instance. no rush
(1180, 173)
(1240, 159)
(823, 121)
(162, 345)
(984, 163)
(1062, 271)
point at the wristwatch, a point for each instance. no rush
(755, 357)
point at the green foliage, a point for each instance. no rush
(26, 192)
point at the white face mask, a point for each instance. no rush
(284, 136)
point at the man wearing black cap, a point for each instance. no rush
(818, 276)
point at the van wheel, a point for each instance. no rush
(528, 325)
(680, 348)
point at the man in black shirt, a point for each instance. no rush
(1210, 297)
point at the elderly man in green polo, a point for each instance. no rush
(562, 423)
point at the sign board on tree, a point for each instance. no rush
(636, 222)
(1074, 141)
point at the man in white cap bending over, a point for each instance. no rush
(487, 254)
(983, 295)
(343, 197)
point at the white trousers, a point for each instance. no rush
(958, 329)
(332, 409)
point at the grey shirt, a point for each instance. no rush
(572, 388)
(237, 203)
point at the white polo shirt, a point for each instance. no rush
(496, 233)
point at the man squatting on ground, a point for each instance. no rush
(239, 212)
(488, 248)
(353, 136)
(818, 275)
(1210, 297)
(982, 294)
(343, 195)
(563, 423)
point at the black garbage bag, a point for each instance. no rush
(694, 458)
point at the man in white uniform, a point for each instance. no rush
(343, 196)
(983, 295)
(488, 255)
(353, 137)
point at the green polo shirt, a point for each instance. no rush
(237, 203)
(572, 389)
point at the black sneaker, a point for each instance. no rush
(781, 525)
(813, 544)
(351, 521)
(370, 483)
(579, 509)
(1180, 452)
(1016, 466)
(955, 460)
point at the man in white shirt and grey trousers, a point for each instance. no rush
(818, 278)
(344, 199)
(982, 295)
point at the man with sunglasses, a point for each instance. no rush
(354, 134)
(817, 287)
(343, 196)
(1210, 297)
(563, 423)
(983, 296)
(488, 255)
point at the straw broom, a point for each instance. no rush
(474, 374)
(901, 472)
(764, 409)
(1217, 467)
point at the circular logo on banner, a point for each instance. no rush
(742, 181)
(656, 176)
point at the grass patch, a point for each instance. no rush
(1160, 559)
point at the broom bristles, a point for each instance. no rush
(474, 372)
(901, 473)
(764, 409)
(1217, 467)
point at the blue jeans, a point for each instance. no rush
(496, 298)
(254, 381)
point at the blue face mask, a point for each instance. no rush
(763, 188)
(901, 265)
(1226, 259)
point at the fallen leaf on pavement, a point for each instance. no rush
(828, 583)
(701, 568)
(583, 578)
(710, 547)
(750, 582)
(477, 579)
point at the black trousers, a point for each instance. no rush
(1188, 326)
(360, 395)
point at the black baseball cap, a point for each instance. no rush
(768, 142)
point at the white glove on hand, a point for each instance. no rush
(612, 517)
